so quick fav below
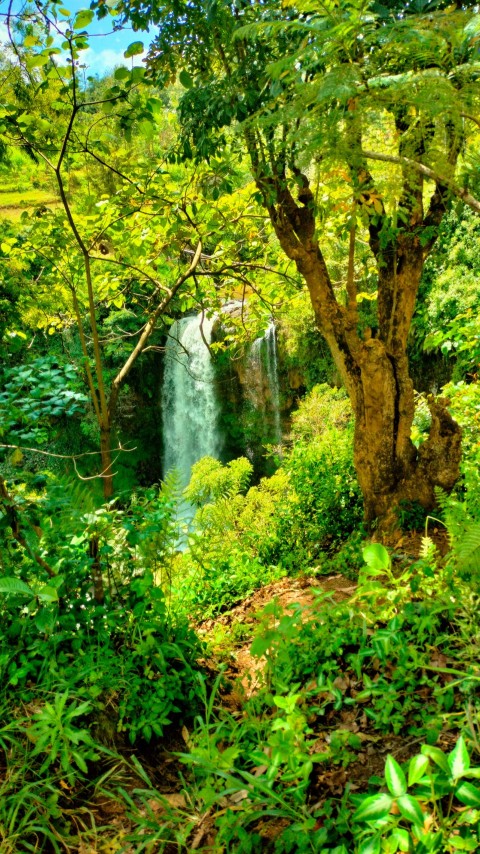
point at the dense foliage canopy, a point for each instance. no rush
(282, 655)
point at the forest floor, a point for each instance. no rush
(228, 640)
(244, 672)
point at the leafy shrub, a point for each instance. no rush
(35, 394)
(465, 408)
(242, 539)
(412, 816)
(226, 558)
(323, 504)
(124, 651)
(445, 317)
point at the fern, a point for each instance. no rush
(467, 549)
(463, 532)
(68, 503)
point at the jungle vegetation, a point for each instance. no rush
(282, 661)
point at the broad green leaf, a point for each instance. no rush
(401, 838)
(185, 79)
(437, 756)
(411, 809)
(460, 843)
(15, 586)
(45, 621)
(47, 594)
(121, 73)
(83, 18)
(468, 794)
(137, 74)
(376, 556)
(36, 61)
(458, 759)
(395, 777)
(371, 846)
(134, 49)
(373, 807)
(416, 769)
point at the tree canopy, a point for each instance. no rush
(317, 99)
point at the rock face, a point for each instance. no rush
(223, 402)
(217, 401)
(254, 399)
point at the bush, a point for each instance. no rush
(126, 653)
(243, 539)
(323, 505)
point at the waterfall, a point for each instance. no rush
(263, 389)
(189, 403)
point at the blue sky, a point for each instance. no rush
(106, 46)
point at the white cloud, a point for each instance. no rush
(104, 61)
(3, 33)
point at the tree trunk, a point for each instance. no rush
(389, 467)
(375, 372)
(106, 457)
(374, 369)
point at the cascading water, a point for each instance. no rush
(263, 385)
(189, 402)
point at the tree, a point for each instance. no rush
(55, 123)
(311, 93)
(127, 233)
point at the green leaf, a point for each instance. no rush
(468, 794)
(416, 769)
(47, 594)
(30, 41)
(371, 846)
(134, 49)
(411, 810)
(395, 777)
(461, 843)
(15, 586)
(83, 18)
(376, 556)
(185, 79)
(458, 759)
(36, 61)
(121, 73)
(402, 839)
(437, 756)
(373, 807)
(79, 760)
(45, 621)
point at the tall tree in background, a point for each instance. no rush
(93, 251)
(316, 94)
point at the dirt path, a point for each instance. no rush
(244, 672)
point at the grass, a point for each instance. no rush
(14, 201)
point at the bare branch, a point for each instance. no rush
(148, 329)
(459, 192)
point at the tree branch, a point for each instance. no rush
(147, 331)
(459, 192)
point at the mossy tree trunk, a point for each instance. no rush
(374, 368)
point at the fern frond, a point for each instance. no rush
(467, 549)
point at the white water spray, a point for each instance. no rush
(262, 376)
(189, 402)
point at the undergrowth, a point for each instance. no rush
(359, 730)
